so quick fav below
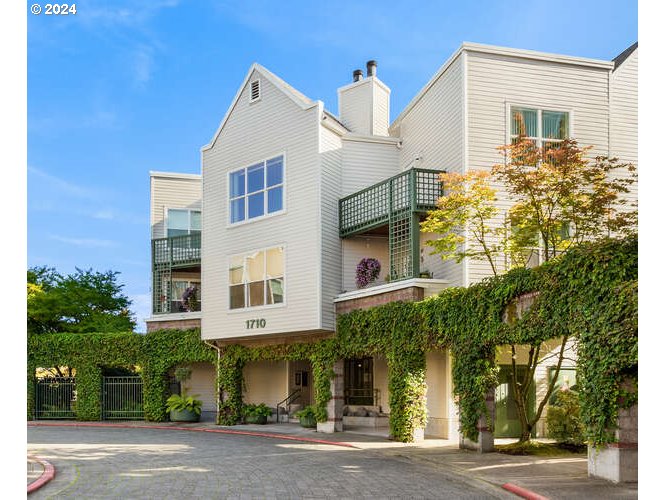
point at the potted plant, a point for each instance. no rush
(256, 414)
(308, 416)
(181, 407)
(367, 271)
(425, 274)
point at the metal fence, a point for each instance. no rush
(55, 398)
(122, 398)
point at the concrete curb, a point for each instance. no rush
(522, 492)
(270, 435)
(47, 475)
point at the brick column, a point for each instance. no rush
(336, 403)
(618, 462)
(486, 439)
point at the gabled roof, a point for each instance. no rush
(301, 100)
(505, 51)
(624, 55)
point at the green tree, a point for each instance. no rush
(85, 301)
(468, 206)
(560, 198)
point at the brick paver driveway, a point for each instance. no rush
(149, 463)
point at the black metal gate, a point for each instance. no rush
(55, 398)
(122, 398)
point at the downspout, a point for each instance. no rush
(217, 380)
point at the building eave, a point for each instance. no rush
(504, 51)
(174, 175)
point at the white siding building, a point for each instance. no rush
(293, 197)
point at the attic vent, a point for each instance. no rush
(255, 91)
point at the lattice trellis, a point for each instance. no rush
(395, 202)
(177, 252)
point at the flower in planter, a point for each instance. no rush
(189, 298)
(367, 271)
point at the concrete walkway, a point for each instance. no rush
(35, 470)
(555, 478)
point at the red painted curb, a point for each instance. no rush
(47, 475)
(522, 492)
(194, 429)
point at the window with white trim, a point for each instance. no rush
(257, 190)
(545, 128)
(257, 278)
(182, 222)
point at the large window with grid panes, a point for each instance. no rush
(256, 191)
(257, 278)
(545, 128)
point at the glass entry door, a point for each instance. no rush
(358, 382)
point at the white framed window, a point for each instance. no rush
(257, 278)
(257, 190)
(545, 128)
(255, 90)
(533, 254)
(181, 222)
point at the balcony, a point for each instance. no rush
(177, 251)
(393, 208)
(176, 274)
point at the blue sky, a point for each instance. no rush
(122, 88)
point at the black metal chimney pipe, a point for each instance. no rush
(371, 67)
(358, 75)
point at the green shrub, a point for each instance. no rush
(260, 410)
(563, 419)
(313, 412)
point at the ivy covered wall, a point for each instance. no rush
(89, 353)
(590, 293)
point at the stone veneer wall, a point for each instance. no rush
(179, 324)
(618, 462)
(410, 294)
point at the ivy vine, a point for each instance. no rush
(590, 294)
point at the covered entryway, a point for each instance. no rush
(359, 382)
(300, 382)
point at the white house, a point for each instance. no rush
(291, 197)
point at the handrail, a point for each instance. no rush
(286, 401)
(404, 173)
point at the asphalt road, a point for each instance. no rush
(96, 463)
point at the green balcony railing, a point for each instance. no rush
(177, 250)
(415, 190)
(397, 203)
(170, 255)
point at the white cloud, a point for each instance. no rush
(128, 14)
(143, 64)
(103, 214)
(63, 185)
(85, 242)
